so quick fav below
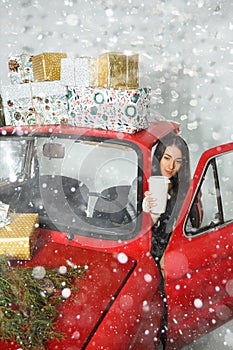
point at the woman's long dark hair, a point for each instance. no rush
(181, 180)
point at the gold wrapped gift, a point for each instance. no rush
(118, 70)
(18, 239)
(47, 66)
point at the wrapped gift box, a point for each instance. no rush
(109, 109)
(35, 103)
(47, 66)
(18, 239)
(20, 67)
(80, 71)
(118, 70)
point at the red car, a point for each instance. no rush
(78, 181)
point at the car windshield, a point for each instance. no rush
(84, 186)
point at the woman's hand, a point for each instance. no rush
(148, 206)
(148, 202)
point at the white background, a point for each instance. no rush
(186, 57)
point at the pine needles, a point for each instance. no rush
(30, 300)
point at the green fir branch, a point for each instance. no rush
(29, 305)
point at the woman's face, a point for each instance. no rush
(171, 161)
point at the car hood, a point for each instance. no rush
(81, 314)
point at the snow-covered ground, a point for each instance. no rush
(186, 57)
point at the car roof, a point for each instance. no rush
(146, 137)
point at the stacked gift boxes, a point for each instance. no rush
(84, 91)
(117, 103)
(42, 99)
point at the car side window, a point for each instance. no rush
(13, 156)
(215, 194)
(225, 166)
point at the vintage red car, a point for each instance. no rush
(78, 181)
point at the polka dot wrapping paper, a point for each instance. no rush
(47, 66)
(18, 239)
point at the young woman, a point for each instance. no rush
(170, 159)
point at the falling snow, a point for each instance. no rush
(186, 57)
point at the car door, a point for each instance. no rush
(198, 262)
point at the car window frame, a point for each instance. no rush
(212, 162)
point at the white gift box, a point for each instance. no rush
(80, 71)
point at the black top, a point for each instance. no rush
(162, 230)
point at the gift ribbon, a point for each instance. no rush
(38, 117)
